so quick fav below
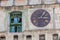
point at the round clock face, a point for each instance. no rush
(40, 18)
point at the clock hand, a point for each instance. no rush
(43, 13)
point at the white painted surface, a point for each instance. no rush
(20, 2)
(57, 18)
(49, 1)
(34, 2)
(58, 1)
(2, 17)
(25, 2)
(7, 3)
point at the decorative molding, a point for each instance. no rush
(7, 8)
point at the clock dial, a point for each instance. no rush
(40, 18)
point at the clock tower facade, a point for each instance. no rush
(30, 20)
